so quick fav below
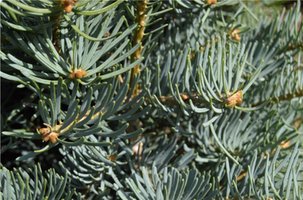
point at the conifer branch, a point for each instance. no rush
(138, 36)
(162, 129)
(55, 30)
(194, 97)
(281, 98)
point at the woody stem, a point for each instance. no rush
(138, 36)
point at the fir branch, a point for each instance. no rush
(138, 36)
(86, 85)
(287, 97)
(233, 98)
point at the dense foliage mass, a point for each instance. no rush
(151, 99)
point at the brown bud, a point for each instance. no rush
(84, 73)
(72, 75)
(43, 131)
(239, 100)
(45, 137)
(53, 137)
(235, 99)
(209, 2)
(237, 37)
(68, 8)
(78, 74)
(112, 157)
(184, 97)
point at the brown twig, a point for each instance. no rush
(287, 97)
(138, 36)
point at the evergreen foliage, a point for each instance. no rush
(151, 99)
